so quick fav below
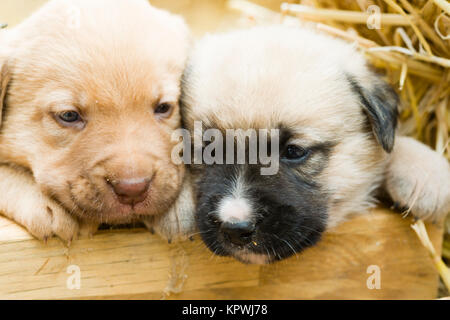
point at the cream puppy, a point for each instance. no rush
(336, 122)
(88, 102)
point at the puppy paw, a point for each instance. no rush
(178, 223)
(46, 219)
(87, 229)
(418, 178)
(171, 226)
(23, 202)
(56, 221)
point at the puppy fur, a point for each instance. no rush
(113, 62)
(321, 95)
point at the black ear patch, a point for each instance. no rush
(379, 102)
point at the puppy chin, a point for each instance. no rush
(259, 254)
(249, 257)
(245, 254)
(110, 210)
(92, 199)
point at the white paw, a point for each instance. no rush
(419, 179)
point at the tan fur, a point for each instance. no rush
(114, 65)
(297, 77)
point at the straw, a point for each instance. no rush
(444, 272)
(306, 12)
(444, 5)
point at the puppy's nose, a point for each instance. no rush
(130, 191)
(239, 233)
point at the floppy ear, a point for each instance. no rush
(4, 80)
(379, 102)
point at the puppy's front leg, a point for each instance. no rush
(178, 223)
(418, 178)
(22, 201)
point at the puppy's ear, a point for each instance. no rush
(5, 77)
(379, 102)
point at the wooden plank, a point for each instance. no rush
(135, 264)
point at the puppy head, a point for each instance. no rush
(335, 120)
(91, 104)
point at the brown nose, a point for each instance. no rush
(130, 191)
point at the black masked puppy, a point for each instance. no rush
(335, 124)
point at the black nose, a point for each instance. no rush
(239, 233)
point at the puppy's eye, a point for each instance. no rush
(163, 109)
(295, 153)
(69, 116)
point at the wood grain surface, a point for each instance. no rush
(133, 264)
